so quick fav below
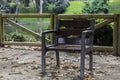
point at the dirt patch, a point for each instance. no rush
(25, 64)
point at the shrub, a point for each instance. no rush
(30, 38)
(7, 37)
(30, 9)
(104, 36)
(17, 36)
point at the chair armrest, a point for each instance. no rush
(43, 37)
(48, 31)
(86, 33)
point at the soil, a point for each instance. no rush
(25, 64)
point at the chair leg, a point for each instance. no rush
(57, 59)
(81, 78)
(43, 62)
(82, 65)
(91, 62)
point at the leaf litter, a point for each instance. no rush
(25, 64)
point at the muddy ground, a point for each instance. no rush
(25, 64)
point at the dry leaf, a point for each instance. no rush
(66, 67)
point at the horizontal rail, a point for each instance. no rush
(103, 48)
(38, 44)
(68, 16)
(26, 15)
(63, 16)
(23, 43)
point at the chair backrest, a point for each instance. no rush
(69, 31)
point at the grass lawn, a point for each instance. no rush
(114, 6)
(75, 7)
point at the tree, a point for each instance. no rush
(8, 6)
(26, 3)
(51, 6)
(17, 7)
(55, 6)
(37, 5)
(97, 6)
(4, 7)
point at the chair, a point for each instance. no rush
(72, 34)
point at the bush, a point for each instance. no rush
(12, 7)
(104, 36)
(17, 36)
(30, 9)
(59, 9)
(7, 37)
(30, 38)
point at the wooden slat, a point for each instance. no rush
(26, 15)
(103, 23)
(74, 23)
(68, 32)
(69, 16)
(63, 16)
(77, 47)
(67, 47)
(103, 48)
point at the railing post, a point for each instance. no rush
(51, 27)
(52, 21)
(55, 25)
(1, 30)
(116, 35)
(118, 54)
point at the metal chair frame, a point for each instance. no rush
(59, 43)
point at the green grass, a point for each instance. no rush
(114, 6)
(75, 7)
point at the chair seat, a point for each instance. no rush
(65, 47)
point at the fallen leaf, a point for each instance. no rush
(66, 67)
(75, 67)
(15, 73)
(110, 67)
